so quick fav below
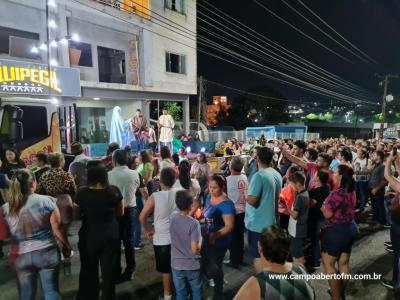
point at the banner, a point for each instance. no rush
(26, 78)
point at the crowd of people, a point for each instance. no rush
(295, 202)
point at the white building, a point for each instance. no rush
(130, 53)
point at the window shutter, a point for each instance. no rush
(183, 64)
(182, 6)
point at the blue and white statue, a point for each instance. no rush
(120, 130)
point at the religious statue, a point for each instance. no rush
(120, 130)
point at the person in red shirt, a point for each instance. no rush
(322, 164)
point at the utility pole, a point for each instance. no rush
(385, 85)
(200, 99)
(356, 122)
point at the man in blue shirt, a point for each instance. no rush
(262, 199)
(251, 167)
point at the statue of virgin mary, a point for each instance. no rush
(120, 130)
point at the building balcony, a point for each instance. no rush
(137, 7)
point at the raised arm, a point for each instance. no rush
(393, 182)
(294, 159)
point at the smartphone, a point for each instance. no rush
(394, 151)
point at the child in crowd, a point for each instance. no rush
(185, 248)
(298, 217)
(162, 205)
(287, 194)
(237, 187)
(318, 195)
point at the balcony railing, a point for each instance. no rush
(137, 7)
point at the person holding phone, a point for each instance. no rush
(11, 162)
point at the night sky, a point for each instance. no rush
(371, 25)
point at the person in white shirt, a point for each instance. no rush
(191, 184)
(162, 204)
(362, 170)
(182, 154)
(127, 181)
(237, 186)
(166, 124)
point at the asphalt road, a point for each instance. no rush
(368, 256)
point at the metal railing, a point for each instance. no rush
(221, 136)
(297, 136)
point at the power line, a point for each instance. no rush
(159, 34)
(129, 22)
(210, 42)
(151, 16)
(267, 41)
(325, 33)
(258, 95)
(296, 69)
(160, 21)
(280, 80)
(331, 28)
(302, 32)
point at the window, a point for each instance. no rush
(26, 122)
(176, 5)
(175, 63)
(18, 43)
(111, 65)
(34, 122)
(80, 54)
(94, 124)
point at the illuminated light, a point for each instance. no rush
(75, 37)
(34, 49)
(203, 149)
(53, 62)
(96, 98)
(52, 24)
(43, 47)
(54, 101)
(188, 149)
(389, 98)
(51, 3)
(64, 41)
(53, 44)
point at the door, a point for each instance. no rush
(68, 120)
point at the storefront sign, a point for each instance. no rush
(25, 78)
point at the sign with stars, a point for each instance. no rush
(25, 78)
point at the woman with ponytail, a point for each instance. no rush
(34, 225)
(191, 184)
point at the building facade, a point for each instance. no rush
(129, 53)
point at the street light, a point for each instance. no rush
(386, 99)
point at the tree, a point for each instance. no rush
(174, 110)
(257, 108)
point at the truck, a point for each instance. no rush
(33, 125)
